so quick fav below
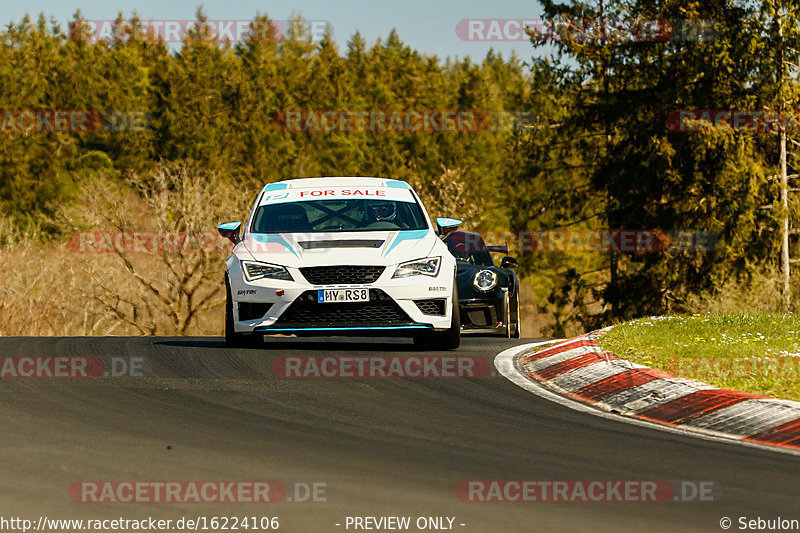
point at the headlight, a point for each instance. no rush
(423, 267)
(254, 271)
(484, 280)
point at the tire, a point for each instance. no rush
(507, 313)
(444, 340)
(517, 329)
(233, 339)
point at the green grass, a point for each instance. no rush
(757, 353)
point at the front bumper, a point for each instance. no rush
(291, 307)
(484, 315)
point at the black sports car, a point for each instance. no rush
(488, 296)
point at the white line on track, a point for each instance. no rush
(504, 362)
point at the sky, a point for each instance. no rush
(428, 26)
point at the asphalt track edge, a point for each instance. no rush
(505, 363)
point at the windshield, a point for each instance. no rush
(468, 248)
(313, 216)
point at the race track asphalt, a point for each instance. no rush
(381, 447)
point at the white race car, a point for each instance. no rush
(340, 256)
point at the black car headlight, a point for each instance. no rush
(484, 280)
(420, 267)
(253, 271)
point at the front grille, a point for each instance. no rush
(381, 310)
(342, 274)
(251, 310)
(433, 306)
(479, 317)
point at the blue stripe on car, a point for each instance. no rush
(267, 329)
(407, 235)
(275, 238)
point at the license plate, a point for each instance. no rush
(325, 296)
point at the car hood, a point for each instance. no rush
(337, 248)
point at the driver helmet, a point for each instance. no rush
(383, 210)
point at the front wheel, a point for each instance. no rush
(512, 321)
(233, 339)
(516, 332)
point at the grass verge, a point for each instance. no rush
(756, 353)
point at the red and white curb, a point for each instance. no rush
(579, 370)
